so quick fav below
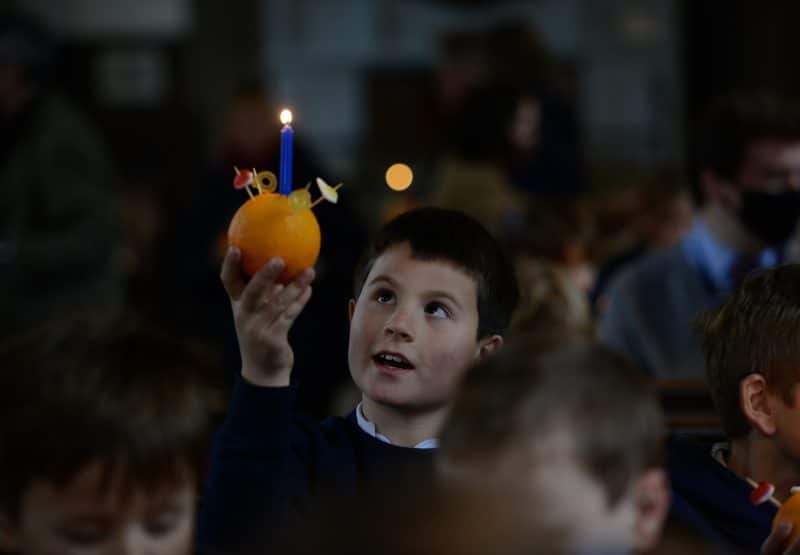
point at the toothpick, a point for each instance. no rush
(236, 170)
(257, 181)
(771, 498)
(320, 199)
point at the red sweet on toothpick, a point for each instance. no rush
(242, 179)
(762, 493)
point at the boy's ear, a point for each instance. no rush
(351, 307)
(755, 403)
(9, 541)
(652, 505)
(487, 346)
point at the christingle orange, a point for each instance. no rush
(270, 225)
(789, 511)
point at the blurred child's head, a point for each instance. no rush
(104, 427)
(752, 345)
(432, 521)
(551, 304)
(575, 428)
(436, 290)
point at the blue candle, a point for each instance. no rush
(285, 173)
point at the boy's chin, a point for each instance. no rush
(406, 402)
(399, 400)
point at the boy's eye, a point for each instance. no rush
(164, 523)
(84, 534)
(437, 309)
(384, 296)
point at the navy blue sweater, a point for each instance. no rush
(714, 500)
(270, 464)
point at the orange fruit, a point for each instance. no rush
(266, 226)
(789, 511)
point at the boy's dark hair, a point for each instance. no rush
(85, 390)
(756, 330)
(735, 121)
(530, 391)
(452, 236)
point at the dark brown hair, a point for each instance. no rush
(86, 389)
(734, 122)
(756, 330)
(529, 391)
(454, 237)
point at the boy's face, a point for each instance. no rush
(84, 517)
(786, 422)
(413, 330)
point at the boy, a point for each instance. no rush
(433, 294)
(572, 428)
(752, 350)
(102, 435)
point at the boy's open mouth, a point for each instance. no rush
(394, 360)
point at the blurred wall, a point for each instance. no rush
(625, 55)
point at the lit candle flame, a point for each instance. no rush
(286, 117)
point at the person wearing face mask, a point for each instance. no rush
(750, 178)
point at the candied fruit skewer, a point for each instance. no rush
(762, 493)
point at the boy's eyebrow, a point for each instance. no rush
(382, 277)
(434, 293)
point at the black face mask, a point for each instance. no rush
(772, 217)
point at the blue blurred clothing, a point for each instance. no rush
(271, 466)
(716, 261)
(653, 303)
(713, 500)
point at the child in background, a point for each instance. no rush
(103, 430)
(574, 429)
(433, 295)
(752, 347)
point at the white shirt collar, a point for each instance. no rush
(369, 428)
(720, 452)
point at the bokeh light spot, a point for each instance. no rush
(399, 177)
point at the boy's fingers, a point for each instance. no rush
(290, 295)
(231, 274)
(291, 313)
(262, 284)
(774, 544)
(794, 548)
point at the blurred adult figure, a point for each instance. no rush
(665, 214)
(471, 176)
(544, 151)
(60, 234)
(750, 178)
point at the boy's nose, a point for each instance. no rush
(398, 326)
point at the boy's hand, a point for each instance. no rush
(263, 312)
(775, 544)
